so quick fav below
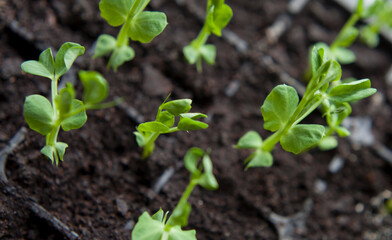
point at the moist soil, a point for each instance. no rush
(103, 186)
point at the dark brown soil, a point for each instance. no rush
(102, 187)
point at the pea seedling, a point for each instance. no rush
(157, 226)
(282, 111)
(136, 24)
(217, 17)
(148, 132)
(64, 111)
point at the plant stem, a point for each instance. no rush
(354, 18)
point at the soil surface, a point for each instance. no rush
(103, 186)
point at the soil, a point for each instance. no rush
(103, 186)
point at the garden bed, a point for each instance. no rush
(103, 186)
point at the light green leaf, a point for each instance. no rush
(180, 214)
(38, 113)
(55, 153)
(147, 25)
(353, 91)
(115, 11)
(176, 233)
(159, 215)
(64, 99)
(343, 132)
(120, 55)
(66, 56)
(154, 126)
(105, 45)
(60, 148)
(316, 59)
(140, 139)
(147, 228)
(166, 118)
(369, 37)
(191, 159)
(208, 180)
(193, 116)
(328, 143)
(220, 18)
(344, 55)
(259, 158)
(177, 107)
(347, 37)
(302, 137)
(208, 52)
(49, 152)
(187, 124)
(328, 72)
(44, 67)
(278, 107)
(250, 140)
(95, 87)
(76, 117)
(191, 54)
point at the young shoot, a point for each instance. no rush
(137, 24)
(64, 110)
(159, 226)
(165, 120)
(218, 15)
(283, 112)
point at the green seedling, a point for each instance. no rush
(64, 110)
(165, 120)
(159, 226)
(137, 24)
(282, 111)
(217, 17)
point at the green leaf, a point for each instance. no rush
(176, 233)
(193, 116)
(147, 25)
(44, 67)
(344, 55)
(353, 91)
(147, 228)
(328, 72)
(105, 45)
(49, 152)
(55, 153)
(347, 37)
(120, 55)
(302, 137)
(316, 59)
(95, 87)
(65, 57)
(76, 118)
(180, 214)
(220, 18)
(191, 159)
(191, 54)
(278, 107)
(187, 124)
(369, 37)
(259, 158)
(250, 140)
(328, 143)
(177, 107)
(38, 113)
(208, 180)
(64, 99)
(115, 11)
(343, 132)
(60, 148)
(166, 118)
(208, 52)
(154, 126)
(159, 215)
(140, 139)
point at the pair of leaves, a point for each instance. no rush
(219, 17)
(207, 52)
(259, 158)
(47, 67)
(154, 228)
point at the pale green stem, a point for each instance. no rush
(354, 18)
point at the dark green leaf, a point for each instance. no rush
(278, 107)
(76, 118)
(105, 45)
(146, 26)
(65, 57)
(187, 124)
(250, 140)
(302, 137)
(352, 91)
(95, 87)
(177, 107)
(147, 228)
(259, 158)
(38, 113)
(154, 126)
(115, 11)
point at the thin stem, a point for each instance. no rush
(354, 18)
